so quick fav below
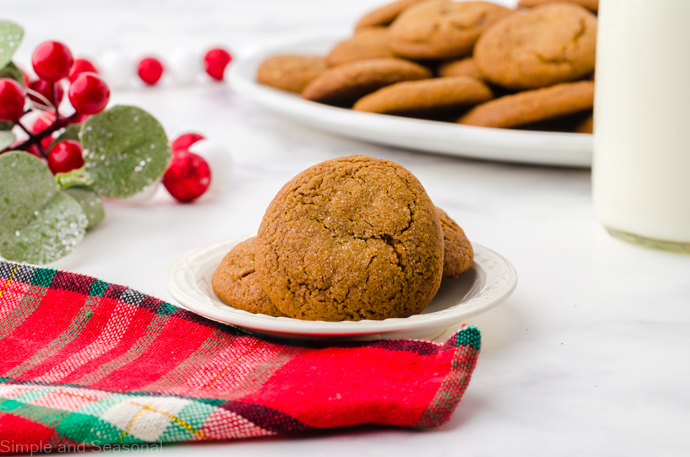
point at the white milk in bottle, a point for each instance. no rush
(641, 169)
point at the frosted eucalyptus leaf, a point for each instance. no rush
(53, 233)
(11, 35)
(90, 204)
(125, 151)
(70, 133)
(13, 72)
(38, 223)
(26, 185)
(6, 139)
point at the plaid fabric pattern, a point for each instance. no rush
(86, 362)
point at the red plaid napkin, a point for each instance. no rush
(84, 362)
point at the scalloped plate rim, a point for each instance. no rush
(183, 276)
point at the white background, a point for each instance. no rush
(588, 357)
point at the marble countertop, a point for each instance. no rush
(587, 357)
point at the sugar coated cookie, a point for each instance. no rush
(235, 281)
(458, 253)
(291, 72)
(345, 84)
(385, 15)
(371, 43)
(532, 106)
(429, 95)
(442, 29)
(349, 239)
(541, 47)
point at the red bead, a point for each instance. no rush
(187, 177)
(65, 156)
(150, 70)
(216, 60)
(89, 94)
(11, 100)
(81, 66)
(45, 89)
(184, 141)
(41, 124)
(52, 60)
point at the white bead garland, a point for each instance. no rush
(116, 68)
(119, 70)
(219, 159)
(184, 65)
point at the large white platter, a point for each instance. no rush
(544, 148)
(486, 284)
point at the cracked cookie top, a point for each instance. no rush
(442, 29)
(349, 239)
(547, 45)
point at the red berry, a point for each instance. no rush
(188, 176)
(25, 75)
(216, 60)
(80, 119)
(33, 149)
(11, 100)
(65, 156)
(45, 89)
(41, 124)
(184, 141)
(81, 66)
(52, 60)
(89, 94)
(150, 70)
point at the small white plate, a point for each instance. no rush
(544, 148)
(486, 284)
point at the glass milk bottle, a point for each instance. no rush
(641, 169)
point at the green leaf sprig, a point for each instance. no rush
(43, 217)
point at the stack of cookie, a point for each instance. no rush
(473, 62)
(349, 239)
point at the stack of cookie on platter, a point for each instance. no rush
(473, 62)
(351, 238)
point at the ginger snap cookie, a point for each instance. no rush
(461, 67)
(371, 43)
(236, 283)
(458, 253)
(586, 125)
(442, 29)
(348, 239)
(547, 45)
(385, 15)
(346, 83)
(291, 72)
(428, 95)
(592, 5)
(532, 106)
